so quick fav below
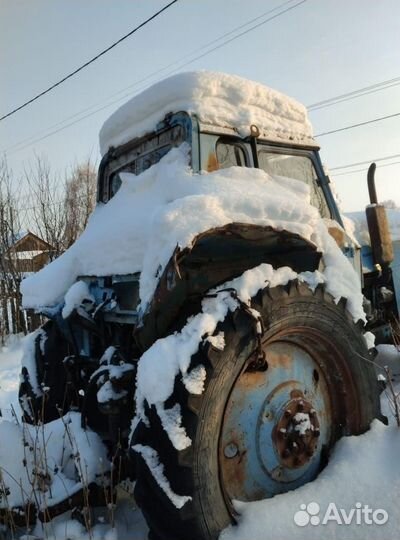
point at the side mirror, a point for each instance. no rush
(378, 225)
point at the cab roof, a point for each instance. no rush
(217, 99)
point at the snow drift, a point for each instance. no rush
(363, 470)
(62, 453)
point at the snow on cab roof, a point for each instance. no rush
(216, 98)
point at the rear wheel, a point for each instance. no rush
(259, 429)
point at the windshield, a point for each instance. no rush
(296, 167)
(276, 162)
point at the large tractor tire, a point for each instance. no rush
(47, 363)
(259, 428)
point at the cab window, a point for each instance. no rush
(230, 154)
(140, 156)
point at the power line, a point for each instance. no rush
(324, 103)
(358, 125)
(32, 139)
(162, 69)
(383, 85)
(86, 64)
(354, 94)
(366, 169)
(247, 31)
(364, 162)
(61, 128)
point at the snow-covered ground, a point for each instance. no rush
(10, 364)
(61, 444)
(363, 470)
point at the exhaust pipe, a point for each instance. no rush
(373, 199)
(378, 225)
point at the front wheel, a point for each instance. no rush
(259, 428)
(44, 392)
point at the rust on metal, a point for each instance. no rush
(381, 240)
(250, 379)
(212, 162)
(338, 235)
(294, 444)
(234, 467)
(283, 360)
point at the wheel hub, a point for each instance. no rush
(295, 436)
(276, 425)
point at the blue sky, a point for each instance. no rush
(320, 49)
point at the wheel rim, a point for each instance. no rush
(279, 424)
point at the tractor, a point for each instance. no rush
(281, 390)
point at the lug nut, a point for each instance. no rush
(295, 448)
(231, 450)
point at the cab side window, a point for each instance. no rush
(230, 155)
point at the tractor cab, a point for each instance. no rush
(281, 144)
(214, 147)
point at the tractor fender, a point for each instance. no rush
(214, 257)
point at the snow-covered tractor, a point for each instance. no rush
(214, 323)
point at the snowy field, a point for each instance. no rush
(363, 470)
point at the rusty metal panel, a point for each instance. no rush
(381, 240)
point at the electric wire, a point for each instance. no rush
(367, 122)
(366, 90)
(86, 64)
(366, 168)
(393, 156)
(16, 147)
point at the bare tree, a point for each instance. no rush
(80, 199)
(48, 213)
(61, 208)
(12, 317)
(55, 209)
